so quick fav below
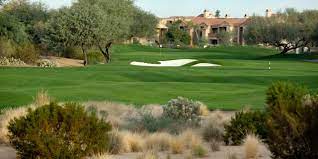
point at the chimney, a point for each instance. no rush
(269, 13)
(207, 14)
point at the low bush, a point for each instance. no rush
(55, 131)
(183, 109)
(243, 123)
(10, 61)
(215, 146)
(73, 53)
(47, 63)
(7, 48)
(212, 132)
(177, 145)
(199, 151)
(95, 58)
(27, 53)
(293, 122)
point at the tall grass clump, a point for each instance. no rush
(251, 146)
(292, 122)
(158, 141)
(58, 131)
(42, 98)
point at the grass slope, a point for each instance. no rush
(241, 81)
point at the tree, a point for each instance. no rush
(225, 37)
(12, 29)
(73, 26)
(288, 30)
(144, 24)
(32, 15)
(178, 35)
(115, 21)
(90, 23)
(218, 13)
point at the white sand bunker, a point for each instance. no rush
(170, 63)
(174, 63)
(206, 65)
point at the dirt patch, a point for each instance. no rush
(66, 62)
(7, 152)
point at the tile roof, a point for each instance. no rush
(220, 21)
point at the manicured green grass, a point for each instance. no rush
(241, 81)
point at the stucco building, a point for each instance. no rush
(207, 27)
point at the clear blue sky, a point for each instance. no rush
(235, 8)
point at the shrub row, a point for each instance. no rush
(27, 52)
(289, 124)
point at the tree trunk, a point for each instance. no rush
(284, 51)
(85, 55)
(108, 55)
(106, 52)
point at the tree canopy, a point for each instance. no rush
(144, 24)
(287, 30)
(177, 34)
(32, 14)
(12, 29)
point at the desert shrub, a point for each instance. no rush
(95, 58)
(135, 141)
(281, 92)
(293, 122)
(158, 141)
(203, 109)
(199, 151)
(215, 146)
(55, 131)
(190, 139)
(27, 53)
(10, 61)
(177, 145)
(73, 53)
(251, 145)
(212, 132)
(244, 123)
(150, 123)
(7, 47)
(182, 109)
(116, 143)
(47, 63)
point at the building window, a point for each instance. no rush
(214, 30)
(213, 41)
(223, 29)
